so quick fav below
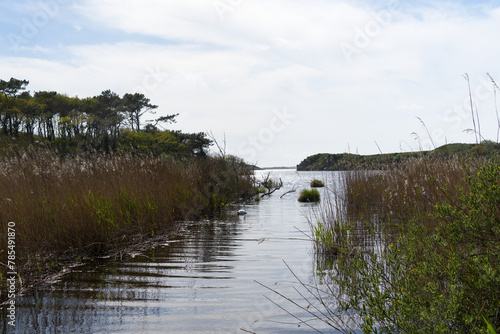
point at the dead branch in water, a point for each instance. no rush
(289, 191)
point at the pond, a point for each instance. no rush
(206, 280)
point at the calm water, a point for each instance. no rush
(204, 281)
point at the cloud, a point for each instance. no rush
(227, 73)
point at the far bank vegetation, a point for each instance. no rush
(84, 177)
(348, 161)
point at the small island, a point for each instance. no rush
(349, 161)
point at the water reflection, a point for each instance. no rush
(203, 281)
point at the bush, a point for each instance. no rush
(440, 272)
(317, 183)
(309, 195)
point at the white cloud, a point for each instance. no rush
(228, 75)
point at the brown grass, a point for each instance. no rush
(375, 204)
(406, 189)
(368, 213)
(89, 205)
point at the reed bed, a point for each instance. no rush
(413, 248)
(404, 190)
(372, 205)
(93, 204)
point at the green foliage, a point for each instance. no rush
(309, 195)
(135, 105)
(328, 237)
(106, 123)
(490, 327)
(440, 273)
(347, 161)
(103, 210)
(317, 183)
(13, 86)
(155, 142)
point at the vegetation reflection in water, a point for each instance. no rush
(204, 280)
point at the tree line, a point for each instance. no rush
(104, 122)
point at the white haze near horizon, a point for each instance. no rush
(278, 80)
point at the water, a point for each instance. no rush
(204, 281)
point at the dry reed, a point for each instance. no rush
(373, 213)
(394, 193)
(90, 205)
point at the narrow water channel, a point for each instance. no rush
(204, 281)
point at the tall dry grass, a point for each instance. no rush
(405, 189)
(362, 201)
(413, 248)
(366, 209)
(87, 205)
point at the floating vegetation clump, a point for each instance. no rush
(317, 183)
(309, 196)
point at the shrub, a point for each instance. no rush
(317, 183)
(309, 195)
(439, 271)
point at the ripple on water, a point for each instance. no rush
(204, 281)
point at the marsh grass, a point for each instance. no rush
(309, 196)
(404, 190)
(94, 204)
(317, 183)
(411, 249)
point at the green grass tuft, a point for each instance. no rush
(309, 195)
(317, 183)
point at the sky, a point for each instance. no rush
(274, 81)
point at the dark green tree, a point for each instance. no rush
(196, 144)
(134, 106)
(49, 104)
(13, 87)
(10, 114)
(164, 119)
(32, 112)
(105, 119)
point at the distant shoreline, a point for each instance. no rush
(275, 168)
(348, 161)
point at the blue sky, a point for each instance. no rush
(280, 79)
